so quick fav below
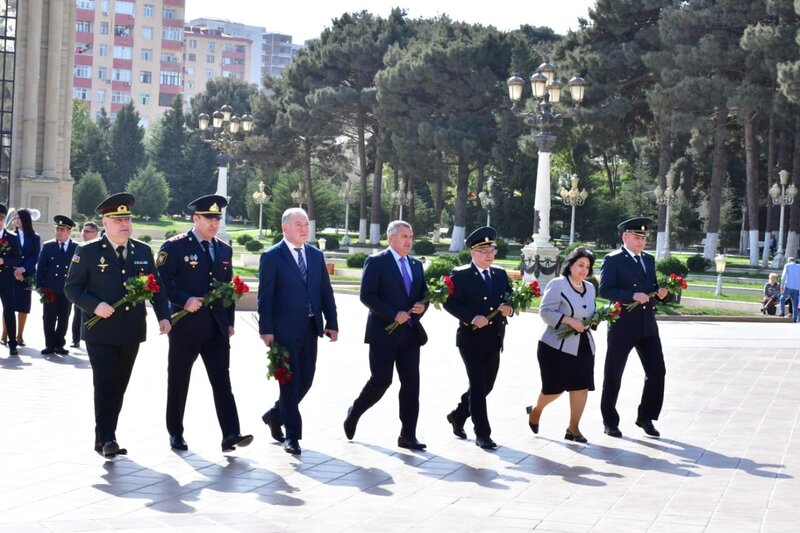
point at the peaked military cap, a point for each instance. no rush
(3, 210)
(63, 221)
(638, 226)
(117, 205)
(483, 236)
(210, 206)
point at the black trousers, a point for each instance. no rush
(77, 318)
(482, 367)
(7, 299)
(111, 371)
(303, 363)
(56, 321)
(652, 358)
(187, 340)
(382, 360)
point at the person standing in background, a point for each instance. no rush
(89, 232)
(51, 272)
(9, 259)
(30, 244)
(790, 287)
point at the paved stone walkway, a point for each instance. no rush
(729, 459)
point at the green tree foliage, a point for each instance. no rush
(167, 151)
(127, 148)
(88, 193)
(151, 190)
(90, 149)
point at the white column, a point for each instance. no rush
(222, 190)
(541, 202)
(52, 89)
(31, 87)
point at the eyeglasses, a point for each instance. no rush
(486, 251)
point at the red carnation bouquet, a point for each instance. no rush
(278, 366)
(139, 289)
(608, 313)
(229, 291)
(439, 290)
(46, 296)
(5, 246)
(520, 298)
(674, 284)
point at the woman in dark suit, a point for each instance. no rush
(568, 364)
(30, 244)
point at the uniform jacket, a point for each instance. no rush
(620, 277)
(383, 291)
(51, 270)
(283, 294)
(559, 300)
(184, 269)
(471, 298)
(11, 257)
(95, 276)
(29, 253)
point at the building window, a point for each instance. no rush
(148, 10)
(168, 33)
(122, 30)
(82, 93)
(122, 74)
(104, 28)
(83, 26)
(144, 99)
(103, 52)
(168, 57)
(209, 59)
(101, 95)
(147, 54)
(190, 71)
(82, 71)
(123, 52)
(212, 46)
(169, 13)
(227, 61)
(146, 76)
(104, 7)
(85, 4)
(209, 73)
(102, 73)
(170, 78)
(120, 97)
(125, 8)
(147, 32)
(190, 85)
(192, 57)
(192, 43)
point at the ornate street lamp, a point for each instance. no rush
(260, 198)
(400, 197)
(487, 200)
(224, 135)
(574, 198)
(782, 197)
(666, 197)
(540, 256)
(719, 261)
(346, 195)
(299, 196)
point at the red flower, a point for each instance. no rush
(239, 286)
(152, 285)
(449, 282)
(534, 285)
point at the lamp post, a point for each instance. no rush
(782, 197)
(400, 197)
(487, 200)
(575, 198)
(346, 195)
(224, 135)
(719, 261)
(260, 198)
(540, 256)
(299, 195)
(666, 197)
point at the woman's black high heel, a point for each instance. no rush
(534, 427)
(575, 438)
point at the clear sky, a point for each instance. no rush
(304, 19)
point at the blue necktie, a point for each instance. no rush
(487, 277)
(406, 275)
(301, 263)
(640, 262)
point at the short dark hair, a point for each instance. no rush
(573, 256)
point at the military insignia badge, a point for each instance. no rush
(161, 259)
(102, 265)
(76, 258)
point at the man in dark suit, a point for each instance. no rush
(9, 258)
(89, 232)
(479, 289)
(51, 271)
(629, 275)
(294, 296)
(393, 287)
(189, 263)
(95, 280)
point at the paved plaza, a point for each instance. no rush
(729, 458)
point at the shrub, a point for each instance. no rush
(356, 260)
(464, 257)
(440, 266)
(698, 263)
(672, 265)
(278, 237)
(424, 247)
(88, 193)
(151, 190)
(253, 245)
(331, 242)
(170, 234)
(145, 238)
(502, 249)
(244, 238)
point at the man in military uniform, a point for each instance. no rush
(95, 280)
(89, 232)
(478, 290)
(51, 271)
(189, 264)
(629, 275)
(9, 258)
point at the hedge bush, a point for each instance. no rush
(464, 257)
(440, 266)
(170, 234)
(356, 260)
(253, 245)
(424, 247)
(145, 238)
(697, 263)
(502, 249)
(244, 238)
(331, 242)
(672, 265)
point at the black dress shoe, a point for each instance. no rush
(176, 442)
(48, 351)
(61, 351)
(612, 431)
(410, 442)
(648, 427)
(99, 449)
(292, 446)
(485, 443)
(75, 345)
(230, 442)
(458, 426)
(13, 351)
(350, 424)
(110, 448)
(274, 428)
(534, 427)
(575, 437)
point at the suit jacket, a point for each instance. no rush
(620, 277)
(10, 256)
(51, 270)
(560, 299)
(95, 276)
(184, 269)
(29, 253)
(470, 298)
(283, 294)
(383, 291)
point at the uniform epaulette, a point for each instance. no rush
(179, 237)
(462, 267)
(615, 252)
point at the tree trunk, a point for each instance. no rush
(751, 165)
(312, 217)
(460, 224)
(664, 161)
(362, 168)
(438, 206)
(770, 170)
(377, 207)
(610, 177)
(718, 173)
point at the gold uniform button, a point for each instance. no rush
(485, 298)
(123, 270)
(491, 309)
(127, 308)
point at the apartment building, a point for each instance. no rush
(237, 29)
(211, 53)
(277, 52)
